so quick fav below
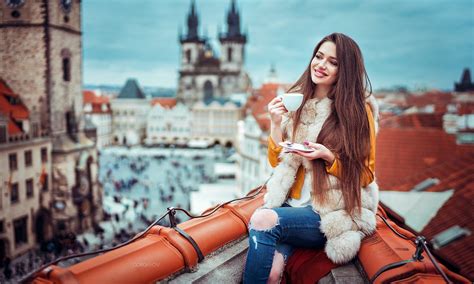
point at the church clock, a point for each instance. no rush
(66, 5)
(14, 4)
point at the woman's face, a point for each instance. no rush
(324, 65)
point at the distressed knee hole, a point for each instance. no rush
(263, 219)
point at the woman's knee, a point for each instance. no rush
(263, 219)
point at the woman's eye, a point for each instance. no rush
(318, 56)
(334, 63)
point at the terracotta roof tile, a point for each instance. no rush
(404, 152)
(257, 103)
(164, 102)
(12, 107)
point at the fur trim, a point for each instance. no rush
(344, 247)
(343, 233)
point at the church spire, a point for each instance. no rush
(192, 24)
(233, 25)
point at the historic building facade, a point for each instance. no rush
(41, 51)
(130, 110)
(98, 115)
(204, 76)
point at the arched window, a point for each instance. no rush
(66, 62)
(208, 91)
(229, 54)
(188, 56)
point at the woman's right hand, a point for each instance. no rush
(276, 110)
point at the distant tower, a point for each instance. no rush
(466, 84)
(232, 42)
(272, 76)
(192, 46)
(41, 59)
(203, 76)
(191, 42)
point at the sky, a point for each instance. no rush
(418, 44)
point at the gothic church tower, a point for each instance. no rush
(205, 76)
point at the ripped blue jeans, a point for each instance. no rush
(295, 227)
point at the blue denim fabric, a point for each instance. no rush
(296, 227)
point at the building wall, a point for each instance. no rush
(129, 119)
(169, 126)
(103, 122)
(215, 123)
(23, 49)
(253, 162)
(26, 206)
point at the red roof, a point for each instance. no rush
(402, 152)
(414, 120)
(457, 173)
(164, 102)
(437, 98)
(172, 253)
(12, 108)
(96, 101)
(257, 103)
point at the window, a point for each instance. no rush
(45, 183)
(14, 194)
(188, 56)
(28, 158)
(3, 134)
(35, 130)
(13, 162)
(229, 54)
(44, 155)
(66, 69)
(20, 230)
(29, 188)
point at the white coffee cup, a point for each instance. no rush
(292, 101)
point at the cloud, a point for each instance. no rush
(403, 42)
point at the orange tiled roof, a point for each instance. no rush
(413, 120)
(14, 112)
(403, 152)
(437, 98)
(164, 102)
(458, 174)
(163, 252)
(257, 103)
(89, 97)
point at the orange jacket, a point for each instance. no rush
(334, 169)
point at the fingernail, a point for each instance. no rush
(306, 143)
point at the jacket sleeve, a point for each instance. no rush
(273, 152)
(368, 174)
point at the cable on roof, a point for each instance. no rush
(171, 211)
(421, 246)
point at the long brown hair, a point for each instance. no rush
(346, 131)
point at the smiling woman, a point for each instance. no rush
(326, 197)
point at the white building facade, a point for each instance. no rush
(130, 112)
(168, 125)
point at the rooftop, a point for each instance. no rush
(164, 254)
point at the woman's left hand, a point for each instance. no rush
(319, 152)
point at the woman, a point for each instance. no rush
(327, 197)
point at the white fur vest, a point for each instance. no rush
(343, 233)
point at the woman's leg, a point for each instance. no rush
(282, 253)
(296, 226)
